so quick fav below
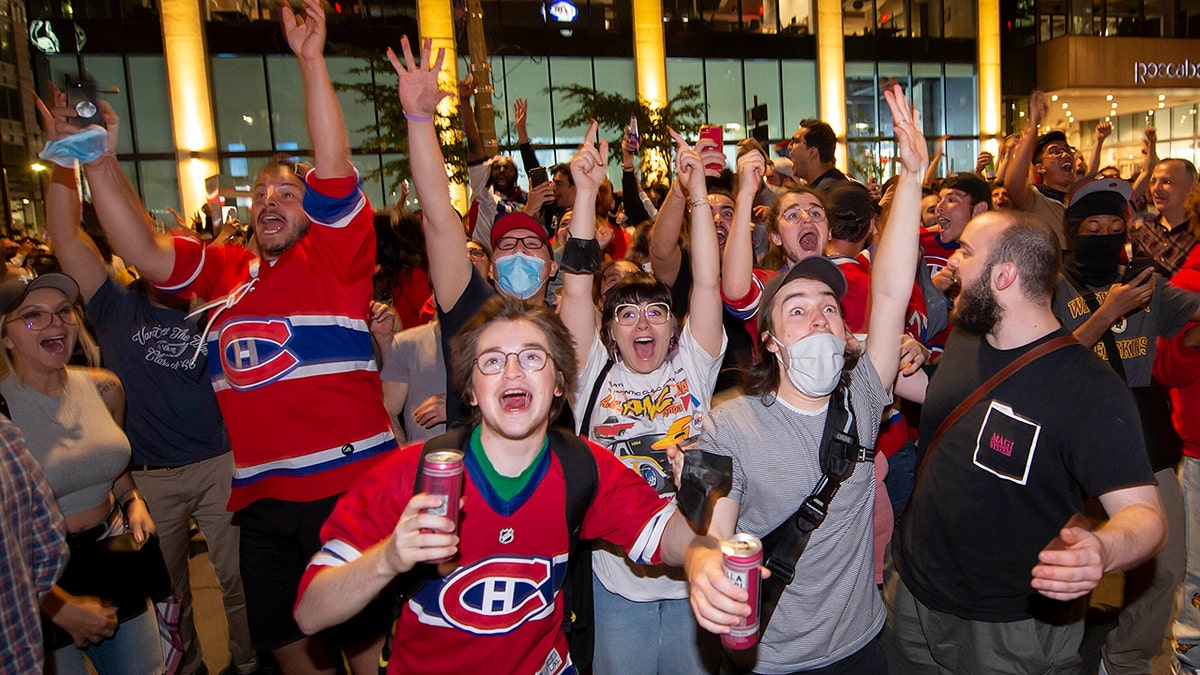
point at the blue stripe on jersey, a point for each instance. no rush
(334, 211)
(389, 443)
(252, 344)
(506, 508)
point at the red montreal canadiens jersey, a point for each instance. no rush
(291, 359)
(500, 611)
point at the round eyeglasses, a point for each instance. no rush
(530, 359)
(814, 213)
(656, 313)
(39, 320)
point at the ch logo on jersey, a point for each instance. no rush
(254, 352)
(498, 594)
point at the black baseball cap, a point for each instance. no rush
(813, 267)
(974, 186)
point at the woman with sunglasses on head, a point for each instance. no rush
(70, 417)
(642, 380)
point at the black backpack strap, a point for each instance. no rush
(409, 584)
(840, 453)
(585, 415)
(582, 480)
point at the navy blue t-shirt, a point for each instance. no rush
(171, 414)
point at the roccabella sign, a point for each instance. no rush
(1176, 70)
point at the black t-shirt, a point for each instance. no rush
(1010, 473)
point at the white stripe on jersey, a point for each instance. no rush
(642, 551)
(335, 553)
(244, 472)
(220, 383)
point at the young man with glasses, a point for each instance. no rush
(496, 606)
(1053, 160)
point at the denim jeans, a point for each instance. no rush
(135, 648)
(1187, 624)
(645, 638)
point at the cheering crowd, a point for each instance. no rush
(948, 409)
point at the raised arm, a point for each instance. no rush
(76, 253)
(445, 238)
(704, 306)
(665, 254)
(1016, 172)
(1103, 131)
(326, 126)
(931, 172)
(897, 257)
(737, 261)
(121, 213)
(1150, 149)
(577, 309)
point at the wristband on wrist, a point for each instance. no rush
(697, 203)
(581, 256)
(417, 118)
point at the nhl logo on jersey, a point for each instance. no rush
(506, 535)
(255, 353)
(498, 594)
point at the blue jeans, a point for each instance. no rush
(902, 473)
(135, 648)
(1187, 624)
(645, 638)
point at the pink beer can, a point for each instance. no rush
(743, 553)
(442, 476)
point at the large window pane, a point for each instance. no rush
(860, 100)
(148, 90)
(927, 97)
(1183, 122)
(725, 95)
(287, 103)
(961, 118)
(360, 115)
(799, 94)
(526, 78)
(682, 72)
(617, 76)
(565, 72)
(240, 99)
(762, 80)
(160, 188)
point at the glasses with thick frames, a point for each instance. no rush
(530, 359)
(530, 243)
(656, 313)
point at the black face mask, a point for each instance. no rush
(1096, 258)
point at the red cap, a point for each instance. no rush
(518, 221)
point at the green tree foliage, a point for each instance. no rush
(684, 113)
(389, 135)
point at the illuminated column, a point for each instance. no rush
(990, 103)
(186, 58)
(435, 20)
(831, 72)
(650, 57)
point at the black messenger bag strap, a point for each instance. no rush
(782, 548)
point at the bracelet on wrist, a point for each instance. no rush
(697, 203)
(417, 118)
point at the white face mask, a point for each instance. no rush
(814, 363)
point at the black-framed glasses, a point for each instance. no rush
(530, 243)
(530, 359)
(656, 313)
(476, 252)
(39, 320)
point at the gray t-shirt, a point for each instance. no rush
(415, 358)
(833, 608)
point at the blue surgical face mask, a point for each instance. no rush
(519, 275)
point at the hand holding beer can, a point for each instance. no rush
(742, 554)
(441, 476)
